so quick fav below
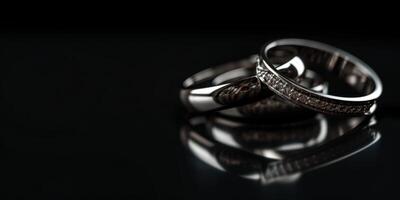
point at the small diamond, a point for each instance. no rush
(269, 76)
(335, 107)
(276, 84)
(302, 98)
(293, 94)
(338, 108)
(299, 95)
(357, 109)
(308, 101)
(317, 102)
(270, 79)
(332, 107)
(346, 109)
(287, 89)
(366, 108)
(282, 87)
(327, 106)
(352, 109)
(311, 101)
(324, 104)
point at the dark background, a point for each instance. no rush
(90, 109)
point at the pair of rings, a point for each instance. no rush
(288, 76)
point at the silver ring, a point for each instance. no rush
(204, 91)
(325, 59)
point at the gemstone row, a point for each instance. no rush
(289, 91)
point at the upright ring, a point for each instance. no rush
(325, 59)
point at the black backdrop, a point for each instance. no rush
(91, 109)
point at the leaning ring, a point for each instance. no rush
(333, 62)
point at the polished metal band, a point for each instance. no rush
(199, 94)
(327, 60)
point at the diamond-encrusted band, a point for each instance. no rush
(351, 69)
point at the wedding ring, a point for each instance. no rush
(326, 60)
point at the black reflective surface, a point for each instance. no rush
(97, 115)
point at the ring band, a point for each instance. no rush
(343, 65)
(200, 95)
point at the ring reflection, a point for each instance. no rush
(276, 152)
